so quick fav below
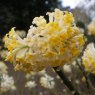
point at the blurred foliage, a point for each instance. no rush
(20, 13)
(80, 24)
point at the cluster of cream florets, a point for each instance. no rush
(89, 58)
(91, 28)
(48, 44)
(6, 81)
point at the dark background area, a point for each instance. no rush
(20, 13)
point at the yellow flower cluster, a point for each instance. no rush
(48, 44)
(89, 58)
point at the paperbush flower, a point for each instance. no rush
(48, 43)
(3, 68)
(30, 84)
(7, 83)
(47, 82)
(91, 28)
(89, 58)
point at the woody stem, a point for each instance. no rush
(66, 80)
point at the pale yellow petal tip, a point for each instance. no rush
(13, 28)
(11, 33)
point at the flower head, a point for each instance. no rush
(52, 43)
(47, 82)
(91, 28)
(3, 68)
(30, 84)
(7, 83)
(89, 58)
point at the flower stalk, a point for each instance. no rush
(85, 75)
(65, 80)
